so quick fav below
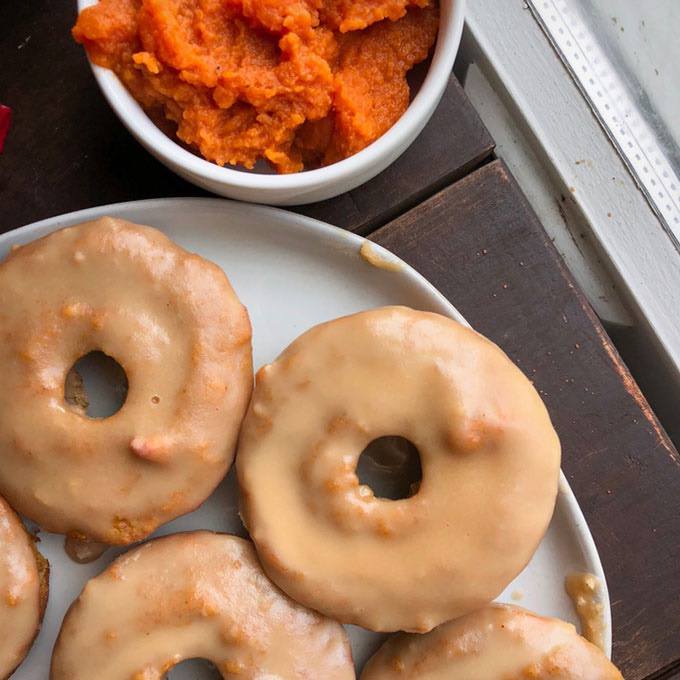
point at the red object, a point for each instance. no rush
(5, 122)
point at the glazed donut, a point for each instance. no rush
(490, 465)
(492, 643)
(173, 322)
(195, 595)
(24, 585)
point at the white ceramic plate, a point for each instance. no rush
(293, 272)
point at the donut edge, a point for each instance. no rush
(42, 565)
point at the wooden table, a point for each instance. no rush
(454, 212)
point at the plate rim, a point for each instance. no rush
(310, 227)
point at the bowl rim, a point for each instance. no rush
(399, 136)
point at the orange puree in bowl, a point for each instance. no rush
(300, 83)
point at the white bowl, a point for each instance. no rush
(301, 187)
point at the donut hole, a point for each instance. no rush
(96, 385)
(194, 669)
(390, 466)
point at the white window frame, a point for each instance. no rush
(505, 41)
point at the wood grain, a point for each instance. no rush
(481, 245)
(670, 673)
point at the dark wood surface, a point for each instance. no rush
(66, 149)
(476, 240)
(481, 245)
(452, 144)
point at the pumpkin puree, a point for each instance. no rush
(301, 83)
